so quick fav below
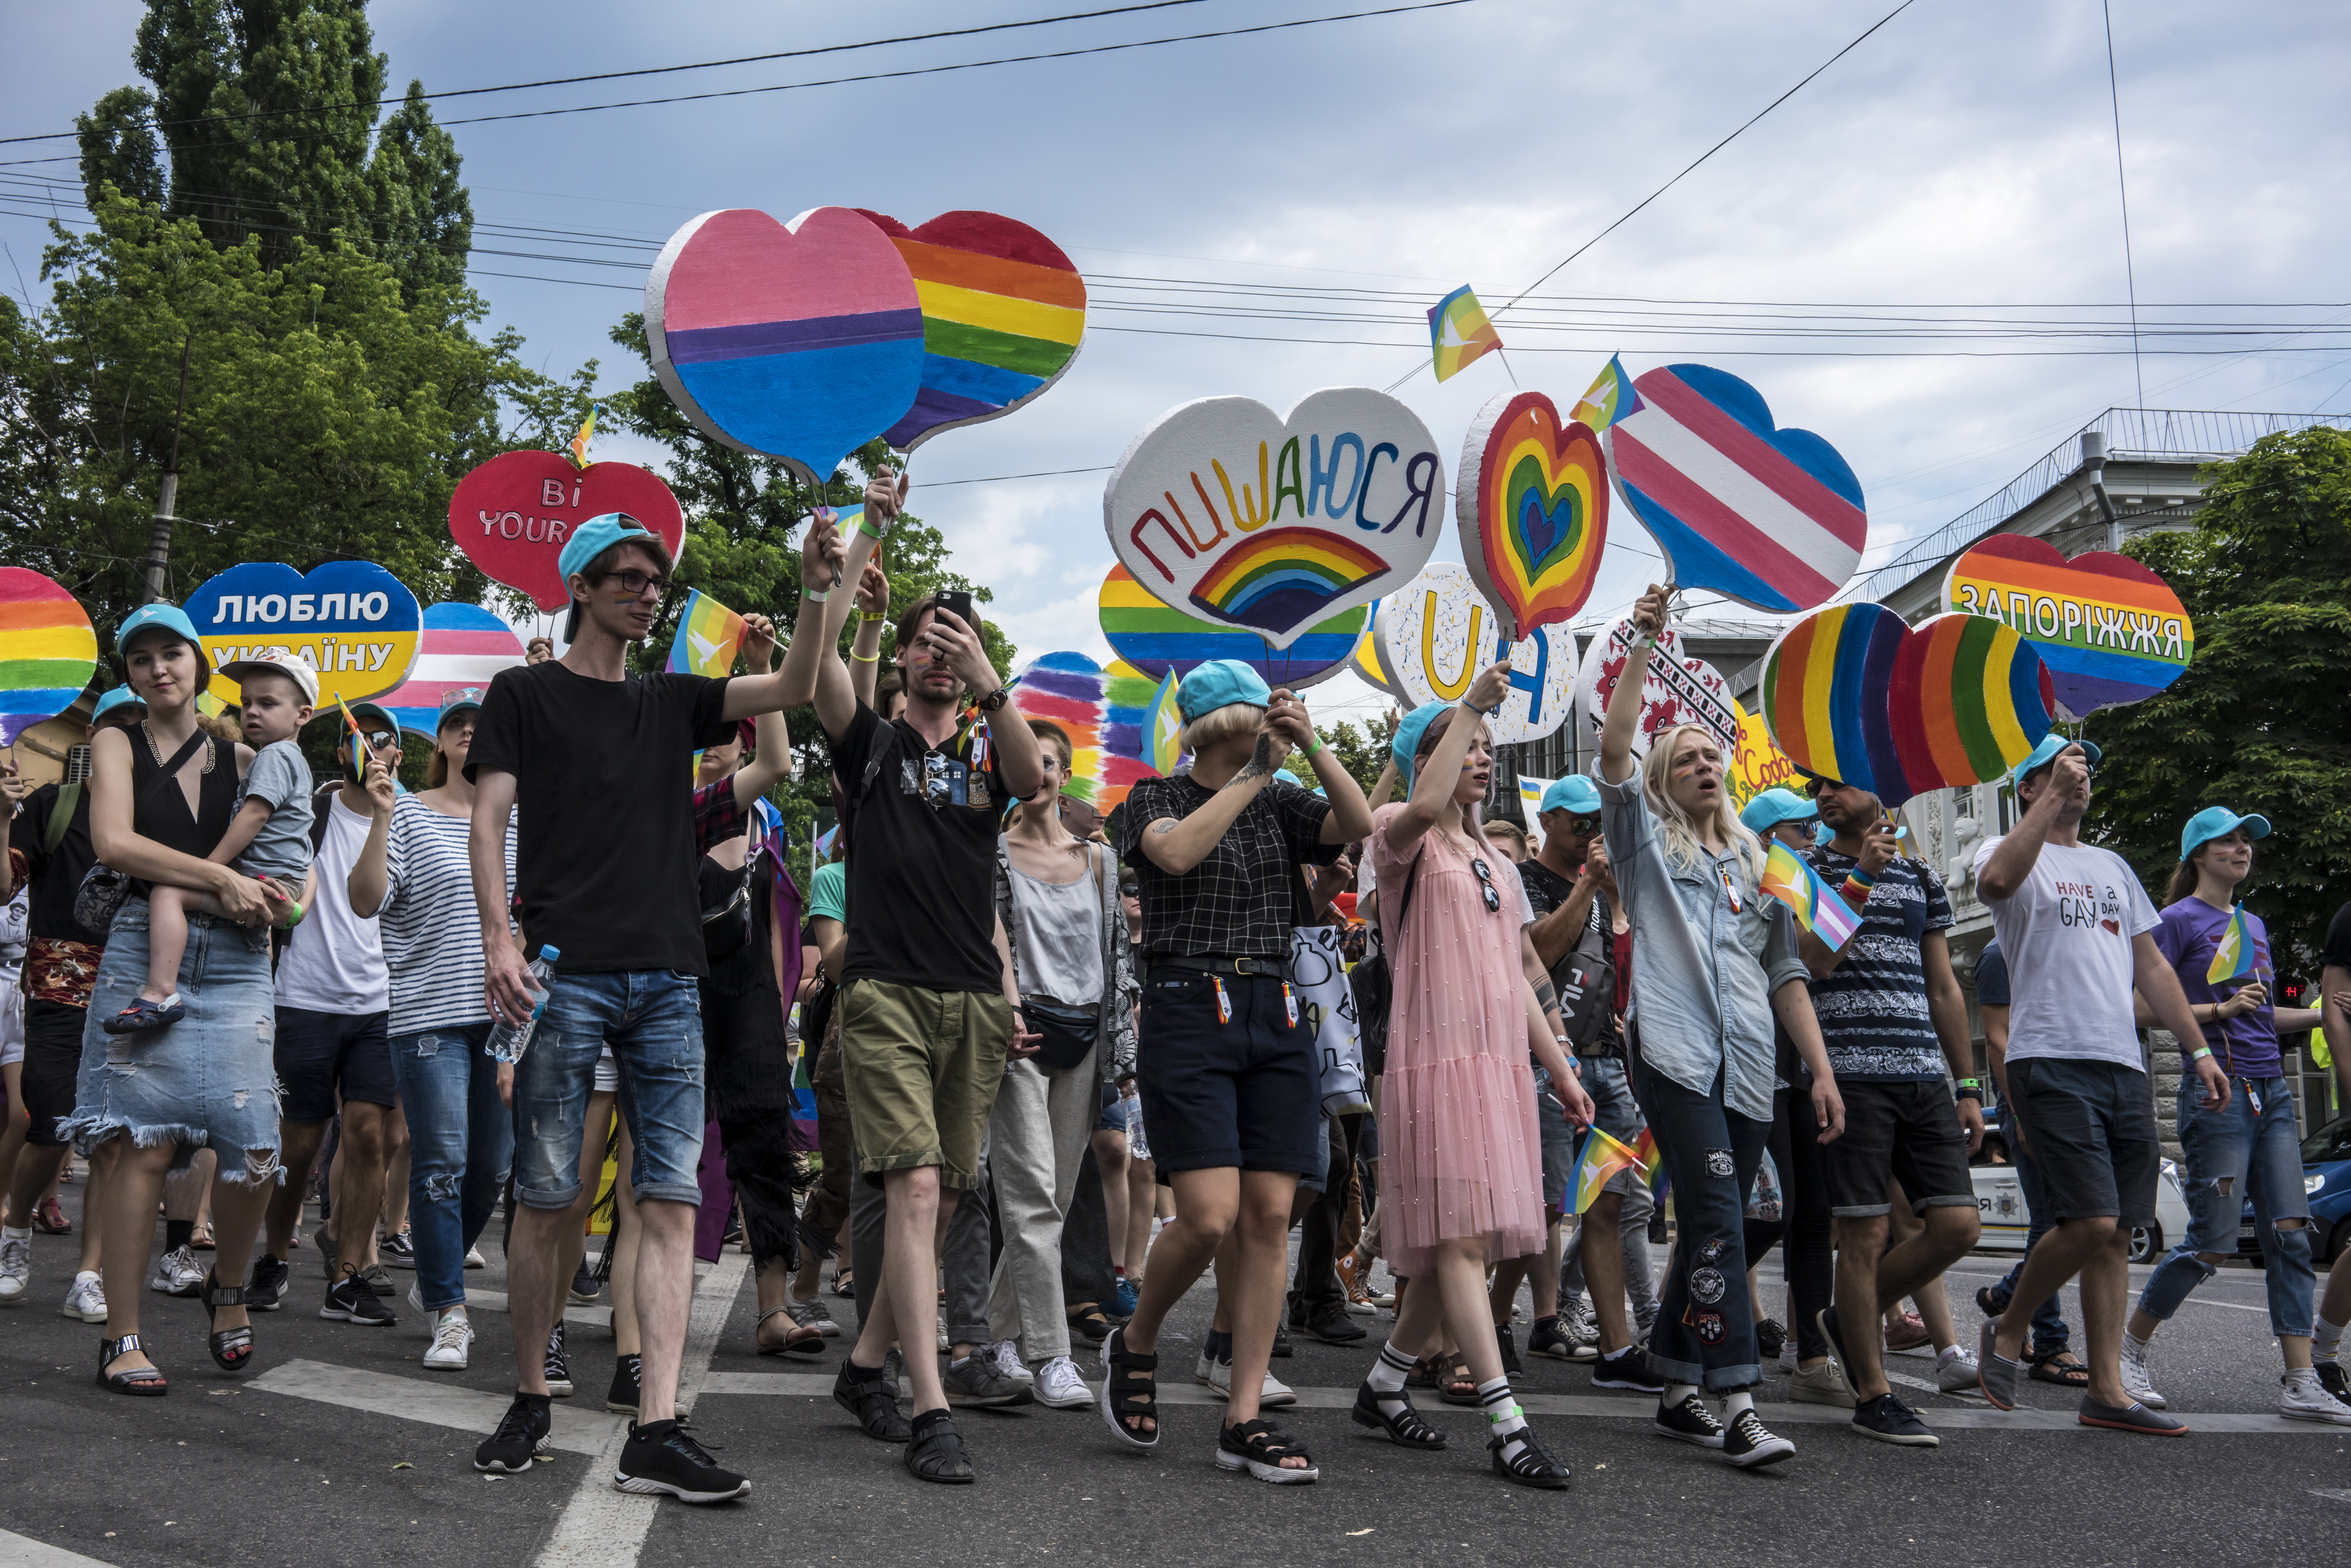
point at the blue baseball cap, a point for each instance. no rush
(2216, 822)
(1573, 793)
(592, 538)
(1220, 682)
(455, 701)
(1772, 806)
(169, 618)
(2046, 753)
(120, 696)
(1407, 744)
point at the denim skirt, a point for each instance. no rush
(206, 1081)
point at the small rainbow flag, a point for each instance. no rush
(1458, 331)
(708, 633)
(1164, 727)
(2233, 959)
(577, 450)
(1602, 1157)
(1795, 884)
(358, 742)
(1610, 399)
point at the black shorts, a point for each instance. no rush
(1908, 1131)
(2091, 1126)
(52, 1063)
(319, 1053)
(1236, 1090)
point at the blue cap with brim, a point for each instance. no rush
(455, 701)
(1772, 806)
(592, 538)
(1220, 682)
(1573, 793)
(168, 617)
(2218, 822)
(1407, 744)
(120, 696)
(2046, 753)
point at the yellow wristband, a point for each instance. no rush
(871, 615)
(866, 658)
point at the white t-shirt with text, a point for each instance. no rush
(2067, 934)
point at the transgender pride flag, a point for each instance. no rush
(461, 646)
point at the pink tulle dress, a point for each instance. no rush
(1460, 1152)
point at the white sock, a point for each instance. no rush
(1949, 1352)
(1503, 1416)
(1389, 1371)
(2133, 1341)
(12, 1233)
(1735, 1402)
(1676, 1393)
(2325, 1337)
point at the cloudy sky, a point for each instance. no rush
(1268, 213)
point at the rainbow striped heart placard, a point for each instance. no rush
(1531, 500)
(48, 650)
(1159, 639)
(2110, 630)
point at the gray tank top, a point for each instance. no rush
(1058, 934)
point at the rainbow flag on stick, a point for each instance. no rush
(1602, 1157)
(1789, 879)
(359, 743)
(708, 633)
(2233, 959)
(1458, 331)
(578, 448)
(1611, 398)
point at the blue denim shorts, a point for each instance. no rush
(1613, 1111)
(207, 1081)
(653, 1020)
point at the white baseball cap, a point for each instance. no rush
(286, 664)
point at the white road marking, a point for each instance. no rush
(573, 1312)
(24, 1552)
(2332, 1494)
(577, 1430)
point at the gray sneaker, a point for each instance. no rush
(976, 1381)
(813, 1313)
(177, 1273)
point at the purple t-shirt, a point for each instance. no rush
(2246, 1045)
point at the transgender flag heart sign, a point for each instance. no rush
(1767, 517)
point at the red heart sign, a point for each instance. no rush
(512, 514)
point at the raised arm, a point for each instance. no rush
(2019, 850)
(865, 653)
(1433, 781)
(772, 743)
(1624, 718)
(1555, 935)
(1351, 815)
(370, 880)
(1175, 847)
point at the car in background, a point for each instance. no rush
(2006, 1220)
(2327, 1178)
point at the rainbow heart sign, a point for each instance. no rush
(1852, 694)
(1771, 518)
(800, 341)
(1347, 501)
(1531, 500)
(1080, 696)
(1439, 631)
(351, 620)
(1003, 309)
(48, 650)
(512, 516)
(1677, 688)
(1158, 640)
(2110, 630)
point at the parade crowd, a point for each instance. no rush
(1061, 1074)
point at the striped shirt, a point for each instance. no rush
(1872, 1006)
(432, 933)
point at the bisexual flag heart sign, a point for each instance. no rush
(1767, 517)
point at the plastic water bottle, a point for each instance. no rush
(508, 1041)
(1137, 1145)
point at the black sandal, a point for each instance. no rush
(232, 1348)
(1256, 1447)
(1532, 1466)
(1129, 1392)
(2063, 1373)
(811, 1345)
(1408, 1428)
(1087, 1318)
(867, 1394)
(1425, 1375)
(936, 1453)
(144, 1382)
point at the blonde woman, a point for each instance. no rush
(1713, 962)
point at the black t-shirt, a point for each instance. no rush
(604, 848)
(921, 880)
(1546, 891)
(2336, 952)
(55, 876)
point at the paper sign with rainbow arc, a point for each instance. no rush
(48, 651)
(1273, 579)
(1158, 639)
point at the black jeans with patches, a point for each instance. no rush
(1705, 1331)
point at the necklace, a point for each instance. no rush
(155, 749)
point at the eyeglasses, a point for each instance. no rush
(635, 582)
(1486, 885)
(1810, 827)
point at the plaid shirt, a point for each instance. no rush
(1241, 900)
(716, 817)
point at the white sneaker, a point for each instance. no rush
(2135, 1380)
(2306, 1399)
(15, 1269)
(1006, 1355)
(1060, 1385)
(474, 1259)
(1958, 1373)
(177, 1273)
(1210, 1372)
(1273, 1392)
(87, 1300)
(452, 1337)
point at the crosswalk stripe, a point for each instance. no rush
(24, 1552)
(577, 1431)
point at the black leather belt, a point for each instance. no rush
(1271, 968)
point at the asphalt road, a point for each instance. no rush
(339, 1449)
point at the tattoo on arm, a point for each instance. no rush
(1260, 762)
(1164, 825)
(1547, 995)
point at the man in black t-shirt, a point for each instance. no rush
(929, 1010)
(595, 758)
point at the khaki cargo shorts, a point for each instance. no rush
(923, 1068)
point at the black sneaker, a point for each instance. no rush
(1547, 1338)
(1331, 1324)
(2330, 1377)
(558, 1370)
(1508, 1344)
(659, 1457)
(349, 1301)
(868, 1395)
(1749, 1443)
(398, 1250)
(521, 1437)
(271, 1276)
(1771, 1338)
(1627, 1369)
(622, 1399)
(1889, 1420)
(1281, 1342)
(1691, 1421)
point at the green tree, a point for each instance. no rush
(2258, 721)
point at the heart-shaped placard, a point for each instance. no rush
(48, 650)
(1531, 497)
(1003, 309)
(461, 646)
(1327, 509)
(800, 341)
(351, 620)
(1852, 694)
(2109, 628)
(1080, 696)
(1678, 688)
(1768, 516)
(512, 514)
(1439, 631)
(1157, 640)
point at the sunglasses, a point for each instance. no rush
(635, 582)
(382, 739)
(1486, 885)
(1581, 825)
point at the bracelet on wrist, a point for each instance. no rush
(813, 597)
(871, 617)
(866, 658)
(866, 525)
(2200, 1053)
(1314, 745)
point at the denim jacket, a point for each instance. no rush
(1704, 964)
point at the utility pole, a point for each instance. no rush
(159, 544)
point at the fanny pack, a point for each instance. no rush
(1069, 1034)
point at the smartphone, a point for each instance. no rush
(956, 602)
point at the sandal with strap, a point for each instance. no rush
(1533, 1465)
(1088, 1319)
(1256, 1447)
(2063, 1373)
(1129, 1392)
(1424, 1373)
(870, 1397)
(1460, 1387)
(800, 1342)
(1408, 1428)
(232, 1348)
(144, 1381)
(936, 1453)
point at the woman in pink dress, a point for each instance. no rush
(1460, 1154)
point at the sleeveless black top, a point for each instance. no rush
(162, 814)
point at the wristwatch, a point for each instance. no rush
(994, 701)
